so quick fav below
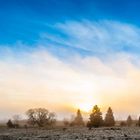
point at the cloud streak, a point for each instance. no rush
(97, 37)
(39, 77)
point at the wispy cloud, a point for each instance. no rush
(37, 77)
(98, 37)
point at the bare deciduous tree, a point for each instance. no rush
(40, 117)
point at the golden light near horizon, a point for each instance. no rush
(88, 101)
(85, 107)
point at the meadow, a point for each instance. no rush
(71, 133)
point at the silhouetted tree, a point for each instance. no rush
(10, 124)
(40, 117)
(129, 121)
(139, 121)
(78, 121)
(96, 119)
(109, 118)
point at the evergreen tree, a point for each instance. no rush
(10, 124)
(78, 119)
(109, 118)
(129, 121)
(95, 118)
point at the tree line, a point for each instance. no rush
(42, 117)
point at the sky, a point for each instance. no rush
(68, 54)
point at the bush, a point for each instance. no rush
(122, 123)
(66, 122)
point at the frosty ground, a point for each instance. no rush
(104, 133)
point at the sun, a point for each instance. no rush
(85, 107)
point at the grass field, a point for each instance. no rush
(112, 133)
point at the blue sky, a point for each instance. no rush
(24, 20)
(69, 48)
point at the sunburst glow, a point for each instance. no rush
(85, 107)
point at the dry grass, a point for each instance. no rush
(116, 133)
